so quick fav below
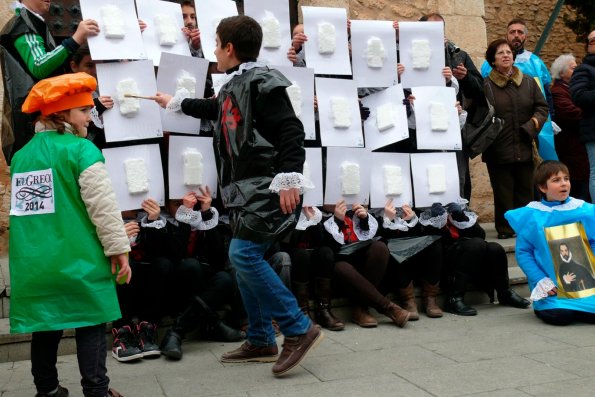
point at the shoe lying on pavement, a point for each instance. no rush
(147, 338)
(125, 347)
(295, 349)
(60, 392)
(250, 353)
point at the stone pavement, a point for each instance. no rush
(501, 352)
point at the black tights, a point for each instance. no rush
(309, 263)
(425, 265)
(361, 272)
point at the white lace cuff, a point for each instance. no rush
(304, 222)
(95, 118)
(365, 234)
(399, 224)
(541, 289)
(290, 180)
(331, 226)
(194, 218)
(175, 103)
(156, 224)
(466, 224)
(438, 221)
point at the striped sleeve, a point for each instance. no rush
(40, 63)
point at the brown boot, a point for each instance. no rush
(393, 311)
(362, 317)
(429, 300)
(323, 314)
(302, 295)
(408, 299)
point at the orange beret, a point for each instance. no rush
(67, 91)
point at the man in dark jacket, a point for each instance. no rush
(28, 54)
(582, 89)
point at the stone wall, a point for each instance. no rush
(536, 13)
(5, 15)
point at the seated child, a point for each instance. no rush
(555, 239)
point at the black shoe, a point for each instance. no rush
(456, 305)
(504, 236)
(171, 346)
(61, 392)
(147, 338)
(220, 332)
(125, 347)
(511, 298)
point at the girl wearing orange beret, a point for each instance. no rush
(66, 228)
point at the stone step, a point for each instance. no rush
(15, 347)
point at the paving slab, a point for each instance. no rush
(576, 388)
(483, 376)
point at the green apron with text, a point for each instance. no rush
(60, 277)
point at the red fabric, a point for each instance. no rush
(192, 243)
(348, 231)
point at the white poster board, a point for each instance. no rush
(412, 37)
(208, 15)
(218, 81)
(130, 45)
(146, 123)
(153, 13)
(313, 171)
(303, 78)
(420, 162)
(374, 53)
(385, 105)
(335, 60)
(115, 159)
(178, 145)
(378, 184)
(429, 106)
(174, 68)
(329, 115)
(273, 17)
(336, 159)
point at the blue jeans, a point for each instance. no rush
(591, 153)
(91, 351)
(264, 295)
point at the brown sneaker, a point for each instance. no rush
(250, 353)
(295, 349)
(362, 317)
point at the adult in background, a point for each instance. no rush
(531, 65)
(28, 54)
(517, 99)
(569, 147)
(582, 89)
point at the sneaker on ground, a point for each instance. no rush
(147, 336)
(125, 346)
(60, 392)
(295, 349)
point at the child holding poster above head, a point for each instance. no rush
(554, 247)
(62, 200)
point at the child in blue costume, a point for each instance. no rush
(531, 223)
(258, 142)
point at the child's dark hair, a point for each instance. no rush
(244, 33)
(79, 54)
(545, 170)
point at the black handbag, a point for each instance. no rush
(478, 136)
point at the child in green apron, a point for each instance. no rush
(66, 228)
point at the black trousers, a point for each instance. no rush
(307, 264)
(512, 185)
(565, 316)
(91, 351)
